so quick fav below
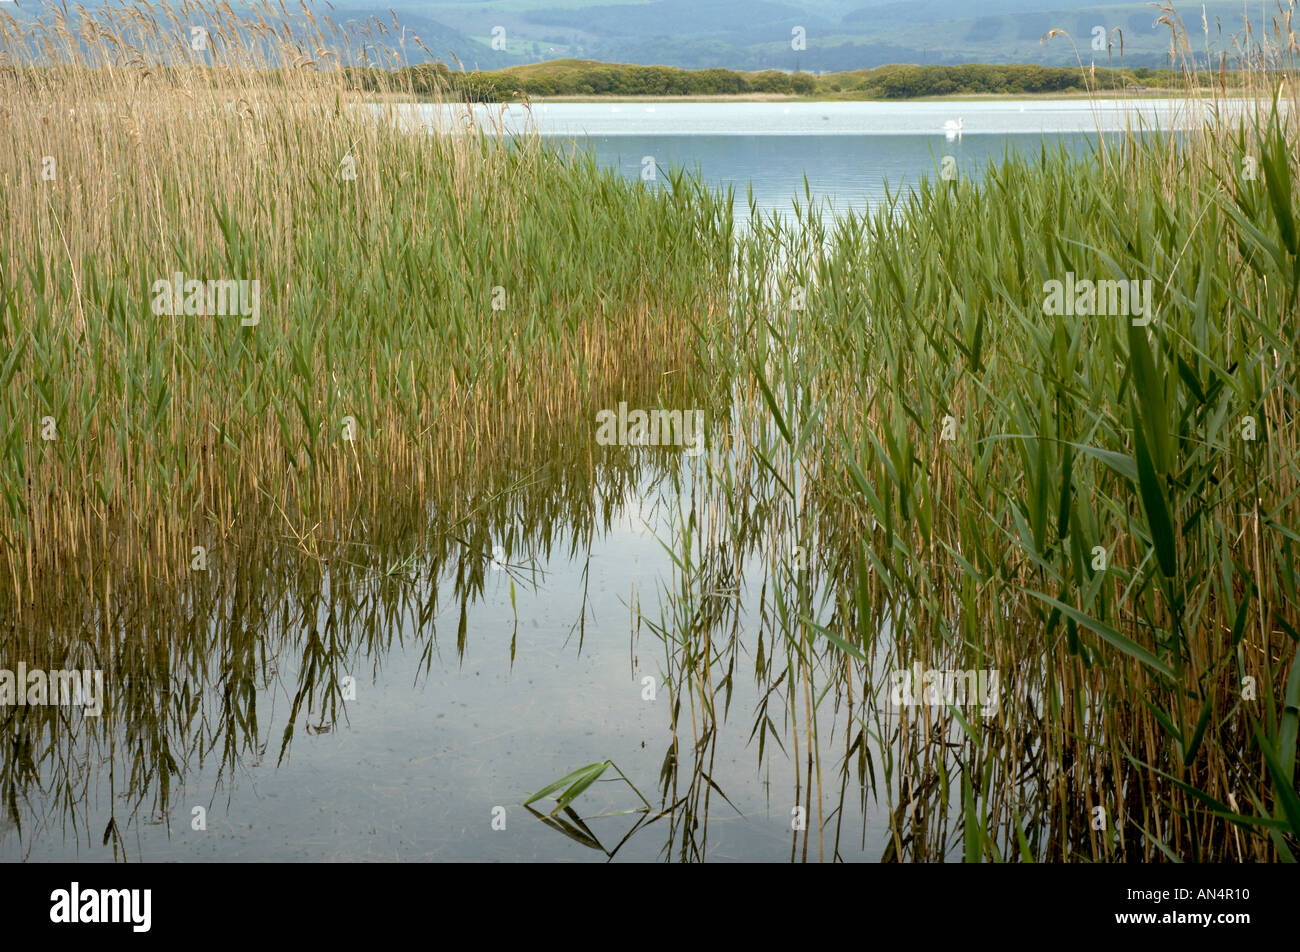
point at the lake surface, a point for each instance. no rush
(850, 152)
(469, 696)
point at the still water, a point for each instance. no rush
(466, 688)
(849, 152)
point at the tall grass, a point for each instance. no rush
(446, 291)
(1102, 509)
(377, 303)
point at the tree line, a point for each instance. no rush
(585, 78)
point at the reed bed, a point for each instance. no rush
(1099, 508)
(424, 292)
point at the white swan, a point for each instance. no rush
(953, 129)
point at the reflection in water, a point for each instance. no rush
(287, 630)
(281, 626)
(778, 738)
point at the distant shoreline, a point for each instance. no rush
(1100, 94)
(586, 81)
(970, 97)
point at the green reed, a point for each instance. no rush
(1102, 508)
(424, 292)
